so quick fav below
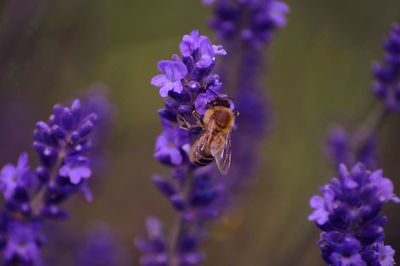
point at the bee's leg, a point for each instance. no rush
(236, 113)
(199, 117)
(182, 122)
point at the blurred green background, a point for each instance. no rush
(319, 73)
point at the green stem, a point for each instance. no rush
(368, 129)
(180, 225)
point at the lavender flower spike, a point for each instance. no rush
(32, 197)
(251, 22)
(245, 28)
(12, 177)
(348, 214)
(341, 147)
(187, 86)
(387, 73)
(23, 242)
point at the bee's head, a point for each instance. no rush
(218, 101)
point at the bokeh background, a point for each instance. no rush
(319, 73)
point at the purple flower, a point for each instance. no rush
(188, 250)
(254, 22)
(245, 28)
(76, 168)
(323, 205)
(345, 148)
(208, 51)
(170, 145)
(354, 259)
(11, 177)
(277, 12)
(23, 243)
(387, 73)
(154, 249)
(202, 100)
(355, 196)
(193, 42)
(190, 190)
(62, 144)
(189, 44)
(184, 80)
(100, 247)
(380, 254)
(174, 71)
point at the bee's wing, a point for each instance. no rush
(202, 143)
(221, 149)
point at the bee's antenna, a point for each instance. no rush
(216, 94)
(213, 92)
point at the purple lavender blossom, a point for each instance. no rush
(348, 213)
(23, 243)
(387, 73)
(32, 197)
(342, 148)
(62, 144)
(190, 43)
(12, 176)
(174, 71)
(246, 28)
(251, 22)
(360, 144)
(76, 168)
(155, 248)
(100, 247)
(183, 80)
(190, 190)
(170, 146)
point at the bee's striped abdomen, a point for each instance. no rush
(201, 154)
(203, 159)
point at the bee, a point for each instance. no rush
(214, 141)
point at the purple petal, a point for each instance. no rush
(161, 142)
(159, 80)
(165, 89)
(320, 214)
(22, 161)
(7, 170)
(177, 86)
(88, 194)
(64, 170)
(201, 101)
(219, 50)
(189, 43)
(176, 156)
(278, 13)
(74, 176)
(205, 47)
(205, 61)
